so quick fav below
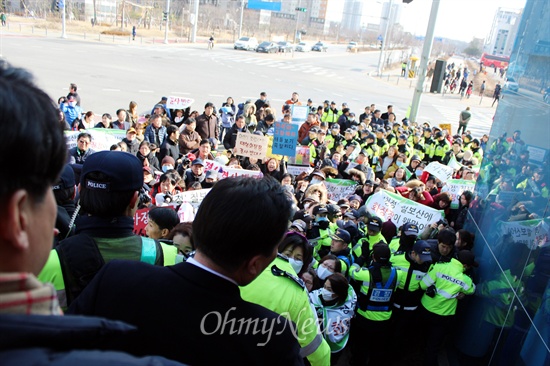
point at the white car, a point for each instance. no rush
(246, 43)
(352, 46)
(303, 47)
(511, 84)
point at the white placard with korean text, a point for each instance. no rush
(388, 205)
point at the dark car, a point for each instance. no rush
(268, 47)
(319, 47)
(285, 46)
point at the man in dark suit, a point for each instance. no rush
(193, 312)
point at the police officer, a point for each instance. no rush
(443, 283)
(340, 247)
(364, 246)
(441, 147)
(371, 327)
(319, 234)
(413, 265)
(278, 289)
(429, 144)
(109, 195)
(404, 242)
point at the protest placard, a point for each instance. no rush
(453, 163)
(179, 102)
(285, 139)
(533, 233)
(296, 170)
(456, 187)
(236, 172)
(440, 171)
(102, 138)
(250, 145)
(340, 188)
(299, 113)
(398, 209)
(301, 157)
(141, 218)
(212, 165)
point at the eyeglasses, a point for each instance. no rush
(83, 142)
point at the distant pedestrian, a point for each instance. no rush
(403, 68)
(470, 89)
(134, 33)
(463, 120)
(496, 94)
(3, 19)
(482, 88)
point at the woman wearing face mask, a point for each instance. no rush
(296, 249)
(335, 303)
(328, 265)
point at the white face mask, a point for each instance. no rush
(323, 272)
(72, 104)
(166, 168)
(327, 295)
(295, 264)
(315, 181)
(418, 173)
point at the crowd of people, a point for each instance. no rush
(331, 280)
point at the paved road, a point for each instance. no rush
(110, 75)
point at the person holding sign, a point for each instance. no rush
(230, 138)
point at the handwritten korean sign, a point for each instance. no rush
(456, 187)
(250, 145)
(394, 207)
(339, 188)
(179, 102)
(440, 171)
(285, 139)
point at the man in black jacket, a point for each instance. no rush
(231, 136)
(170, 145)
(193, 312)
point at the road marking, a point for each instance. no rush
(319, 90)
(278, 79)
(338, 95)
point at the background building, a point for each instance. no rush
(394, 16)
(503, 32)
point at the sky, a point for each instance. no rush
(462, 20)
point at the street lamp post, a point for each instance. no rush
(241, 21)
(384, 39)
(297, 11)
(195, 22)
(426, 51)
(63, 16)
(167, 21)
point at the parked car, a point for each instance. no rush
(352, 47)
(246, 43)
(268, 47)
(303, 47)
(511, 84)
(285, 46)
(319, 47)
